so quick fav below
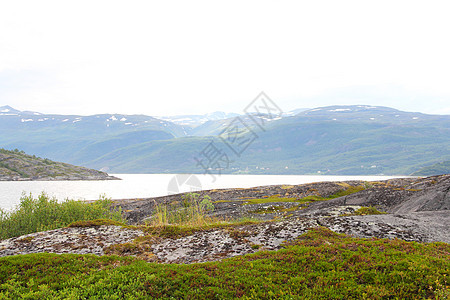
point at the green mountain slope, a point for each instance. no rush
(357, 139)
(304, 149)
(435, 169)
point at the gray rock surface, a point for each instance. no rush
(80, 240)
(418, 211)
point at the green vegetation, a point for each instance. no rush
(45, 213)
(368, 185)
(368, 211)
(318, 265)
(141, 246)
(181, 218)
(362, 211)
(344, 148)
(175, 231)
(15, 151)
(190, 211)
(347, 190)
(97, 222)
(270, 199)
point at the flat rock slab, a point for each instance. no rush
(228, 203)
(425, 226)
(80, 240)
(216, 244)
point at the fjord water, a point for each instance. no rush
(152, 185)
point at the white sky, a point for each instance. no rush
(179, 57)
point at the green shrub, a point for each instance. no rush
(191, 211)
(368, 211)
(45, 213)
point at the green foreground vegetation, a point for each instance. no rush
(46, 213)
(319, 265)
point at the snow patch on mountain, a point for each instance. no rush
(340, 109)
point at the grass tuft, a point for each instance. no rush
(94, 223)
(368, 211)
(191, 211)
(308, 199)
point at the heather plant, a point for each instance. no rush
(46, 213)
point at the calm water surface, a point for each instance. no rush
(151, 185)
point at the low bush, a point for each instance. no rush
(365, 210)
(192, 210)
(46, 213)
(370, 210)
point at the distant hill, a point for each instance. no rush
(339, 140)
(435, 169)
(16, 165)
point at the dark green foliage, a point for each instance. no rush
(319, 265)
(13, 169)
(270, 199)
(16, 152)
(362, 211)
(96, 222)
(45, 213)
(368, 211)
(347, 190)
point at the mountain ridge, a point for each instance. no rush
(338, 140)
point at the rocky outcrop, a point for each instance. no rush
(395, 196)
(232, 203)
(216, 244)
(417, 211)
(18, 166)
(80, 240)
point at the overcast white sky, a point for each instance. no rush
(178, 57)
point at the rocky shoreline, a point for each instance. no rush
(19, 166)
(84, 177)
(417, 209)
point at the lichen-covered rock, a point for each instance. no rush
(418, 212)
(80, 240)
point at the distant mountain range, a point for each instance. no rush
(356, 140)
